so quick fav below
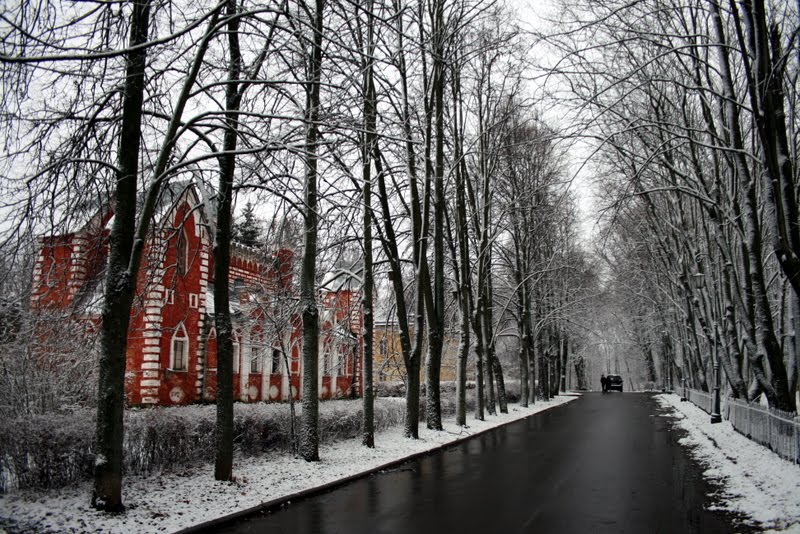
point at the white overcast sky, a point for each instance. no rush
(537, 15)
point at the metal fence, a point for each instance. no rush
(701, 399)
(780, 431)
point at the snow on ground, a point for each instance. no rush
(753, 481)
(174, 501)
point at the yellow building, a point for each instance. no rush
(388, 365)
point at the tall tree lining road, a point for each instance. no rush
(604, 463)
(449, 139)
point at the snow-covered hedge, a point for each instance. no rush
(51, 451)
(45, 451)
(56, 450)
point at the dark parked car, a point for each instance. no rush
(614, 382)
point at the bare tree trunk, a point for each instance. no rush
(497, 369)
(436, 315)
(223, 461)
(776, 388)
(696, 365)
(411, 352)
(650, 364)
(463, 351)
(286, 351)
(563, 362)
(491, 401)
(522, 356)
(793, 365)
(524, 341)
(463, 276)
(480, 365)
(767, 71)
(496, 366)
(368, 424)
(580, 373)
(309, 418)
(126, 232)
(541, 352)
(531, 347)
(734, 372)
(120, 284)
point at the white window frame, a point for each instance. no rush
(180, 336)
(194, 300)
(236, 349)
(169, 296)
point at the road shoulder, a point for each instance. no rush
(754, 481)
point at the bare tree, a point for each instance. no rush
(309, 429)
(714, 196)
(120, 281)
(369, 136)
(223, 460)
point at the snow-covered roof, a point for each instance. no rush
(344, 334)
(238, 305)
(86, 212)
(194, 193)
(98, 211)
(341, 279)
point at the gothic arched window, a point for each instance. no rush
(179, 353)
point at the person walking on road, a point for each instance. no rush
(604, 383)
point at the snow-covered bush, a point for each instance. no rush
(164, 438)
(342, 419)
(512, 390)
(390, 389)
(49, 451)
(52, 451)
(46, 451)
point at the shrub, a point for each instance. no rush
(52, 451)
(46, 451)
(390, 389)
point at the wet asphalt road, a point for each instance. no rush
(603, 463)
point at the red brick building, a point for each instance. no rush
(172, 356)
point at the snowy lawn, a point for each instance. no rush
(753, 481)
(175, 501)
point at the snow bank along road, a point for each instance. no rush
(175, 501)
(750, 479)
